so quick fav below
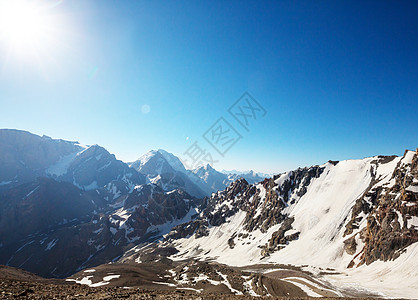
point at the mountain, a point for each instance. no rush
(95, 167)
(159, 171)
(249, 174)
(25, 156)
(343, 228)
(174, 161)
(358, 218)
(61, 204)
(55, 229)
(215, 180)
(153, 164)
(166, 170)
(211, 177)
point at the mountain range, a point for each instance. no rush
(25, 156)
(342, 228)
(73, 199)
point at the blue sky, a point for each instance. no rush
(338, 79)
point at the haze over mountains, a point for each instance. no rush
(25, 156)
(65, 207)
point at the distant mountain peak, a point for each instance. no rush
(206, 167)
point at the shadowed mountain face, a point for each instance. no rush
(55, 229)
(41, 205)
(24, 156)
(62, 205)
(95, 167)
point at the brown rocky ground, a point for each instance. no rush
(15, 289)
(165, 281)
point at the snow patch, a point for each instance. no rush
(51, 244)
(90, 271)
(86, 280)
(412, 188)
(302, 286)
(61, 166)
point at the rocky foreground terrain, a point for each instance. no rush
(19, 284)
(32, 290)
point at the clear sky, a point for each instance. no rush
(338, 79)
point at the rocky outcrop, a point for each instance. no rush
(350, 245)
(215, 210)
(279, 238)
(198, 227)
(389, 210)
(265, 212)
(262, 203)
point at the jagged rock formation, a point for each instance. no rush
(389, 209)
(263, 205)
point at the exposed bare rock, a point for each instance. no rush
(388, 209)
(350, 245)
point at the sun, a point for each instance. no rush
(24, 26)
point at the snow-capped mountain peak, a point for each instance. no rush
(173, 160)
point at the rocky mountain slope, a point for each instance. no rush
(356, 216)
(33, 207)
(57, 229)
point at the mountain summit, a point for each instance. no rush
(166, 170)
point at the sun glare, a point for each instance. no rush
(25, 26)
